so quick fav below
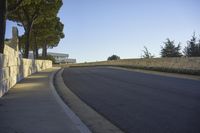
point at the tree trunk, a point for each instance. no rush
(36, 49)
(19, 44)
(2, 24)
(36, 52)
(27, 45)
(44, 50)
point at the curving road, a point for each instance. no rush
(138, 102)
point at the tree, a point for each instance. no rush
(2, 24)
(147, 54)
(193, 47)
(45, 34)
(6, 7)
(114, 57)
(170, 50)
(31, 12)
(199, 45)
(54, 35)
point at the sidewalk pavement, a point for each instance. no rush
(31, 107)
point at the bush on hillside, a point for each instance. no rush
(114, 57)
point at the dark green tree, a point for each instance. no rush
(170, 50)
(30, 12)
(53, 37)
(199, 44)
(45, 34)
(113, 57)
(193, 47)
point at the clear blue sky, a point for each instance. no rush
(96, 29)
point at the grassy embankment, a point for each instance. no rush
(182, 65)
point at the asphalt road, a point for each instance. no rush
(138, 102)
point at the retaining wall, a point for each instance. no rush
(13, 68)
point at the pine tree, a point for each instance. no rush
(193, 47)
(31, 12)
(170, 50)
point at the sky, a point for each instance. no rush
(97, 29)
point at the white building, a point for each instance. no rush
(61, 58)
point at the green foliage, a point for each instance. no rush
(22, 43)
(55, 33)
(13, 5)
(31, 12)
(114, 57)
(146, 53)
(170, 50)
(48, 31)
(193, 47)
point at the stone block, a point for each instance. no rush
(9, 51)
(13, 70)
(4, 87)
(13, 61)
(1, 74)
(19, 61)
(12, 81)
(25, 71)
(3, 61)
(4, 73)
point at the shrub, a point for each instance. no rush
(146, 53)
(114, 57)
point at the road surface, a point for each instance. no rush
(138, 102)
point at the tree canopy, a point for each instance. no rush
(170, 50)
(114, 57)
(193, 47)
(31, 12)
(46, 34)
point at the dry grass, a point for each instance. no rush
(173, 65)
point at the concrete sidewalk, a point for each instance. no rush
(31, 107)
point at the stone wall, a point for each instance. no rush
(13, 67)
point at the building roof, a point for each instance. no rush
(58, 54)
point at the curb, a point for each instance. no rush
(75, 119)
